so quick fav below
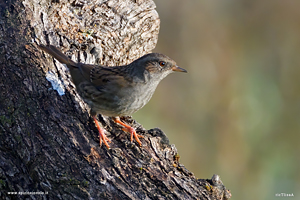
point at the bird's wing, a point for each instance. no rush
(86, 70)
(104, 77)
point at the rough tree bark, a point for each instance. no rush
(48, 142)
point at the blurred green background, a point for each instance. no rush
(237, 111)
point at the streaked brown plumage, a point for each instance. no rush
(120, 90)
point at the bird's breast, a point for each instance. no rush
(116, 101)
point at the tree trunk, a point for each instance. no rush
(49, 144)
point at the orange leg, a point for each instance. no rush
(102, 135)
(129, 129)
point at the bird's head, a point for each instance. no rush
(156, 66)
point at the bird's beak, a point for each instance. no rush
(178, 69)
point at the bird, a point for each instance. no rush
(116, 91)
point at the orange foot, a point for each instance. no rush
(102, 135)
(129, 129)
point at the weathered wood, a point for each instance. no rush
(48, 142)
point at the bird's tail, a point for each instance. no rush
(58, 55)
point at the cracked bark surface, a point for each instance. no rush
(48, 141)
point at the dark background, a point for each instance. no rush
(237, 112)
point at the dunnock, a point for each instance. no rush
(120, 90)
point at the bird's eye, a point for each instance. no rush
(162, 63)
